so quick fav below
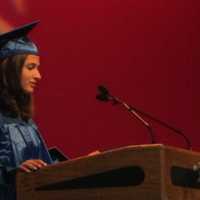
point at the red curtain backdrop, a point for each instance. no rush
(145, 52)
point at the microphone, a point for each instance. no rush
(104, 95)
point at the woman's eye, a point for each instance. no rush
(30, 66)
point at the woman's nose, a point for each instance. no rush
(37, 75)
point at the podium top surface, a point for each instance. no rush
(156, 147)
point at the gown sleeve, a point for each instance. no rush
(7, 167)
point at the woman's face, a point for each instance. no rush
(30, 75)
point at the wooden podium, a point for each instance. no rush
(144, 172)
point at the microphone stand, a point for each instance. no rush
(135, 112)
(188, 143)
(130, 109)
(105, 96)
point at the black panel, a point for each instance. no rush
(122, 177)
(184, 177)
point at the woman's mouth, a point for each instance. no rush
(33, 84)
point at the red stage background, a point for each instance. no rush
(146, 52)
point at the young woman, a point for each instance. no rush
(21, 145)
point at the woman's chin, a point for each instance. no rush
(29, 90)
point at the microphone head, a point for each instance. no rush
(103, 90)
(103, 94)
(102, 97)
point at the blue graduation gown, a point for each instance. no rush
(19, 141)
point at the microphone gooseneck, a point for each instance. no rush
(105, 96)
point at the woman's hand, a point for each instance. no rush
(32, 165)
(94, 153)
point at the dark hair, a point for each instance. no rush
(14, 102)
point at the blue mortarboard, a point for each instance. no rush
(16, 42)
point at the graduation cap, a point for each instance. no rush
(16, 42)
